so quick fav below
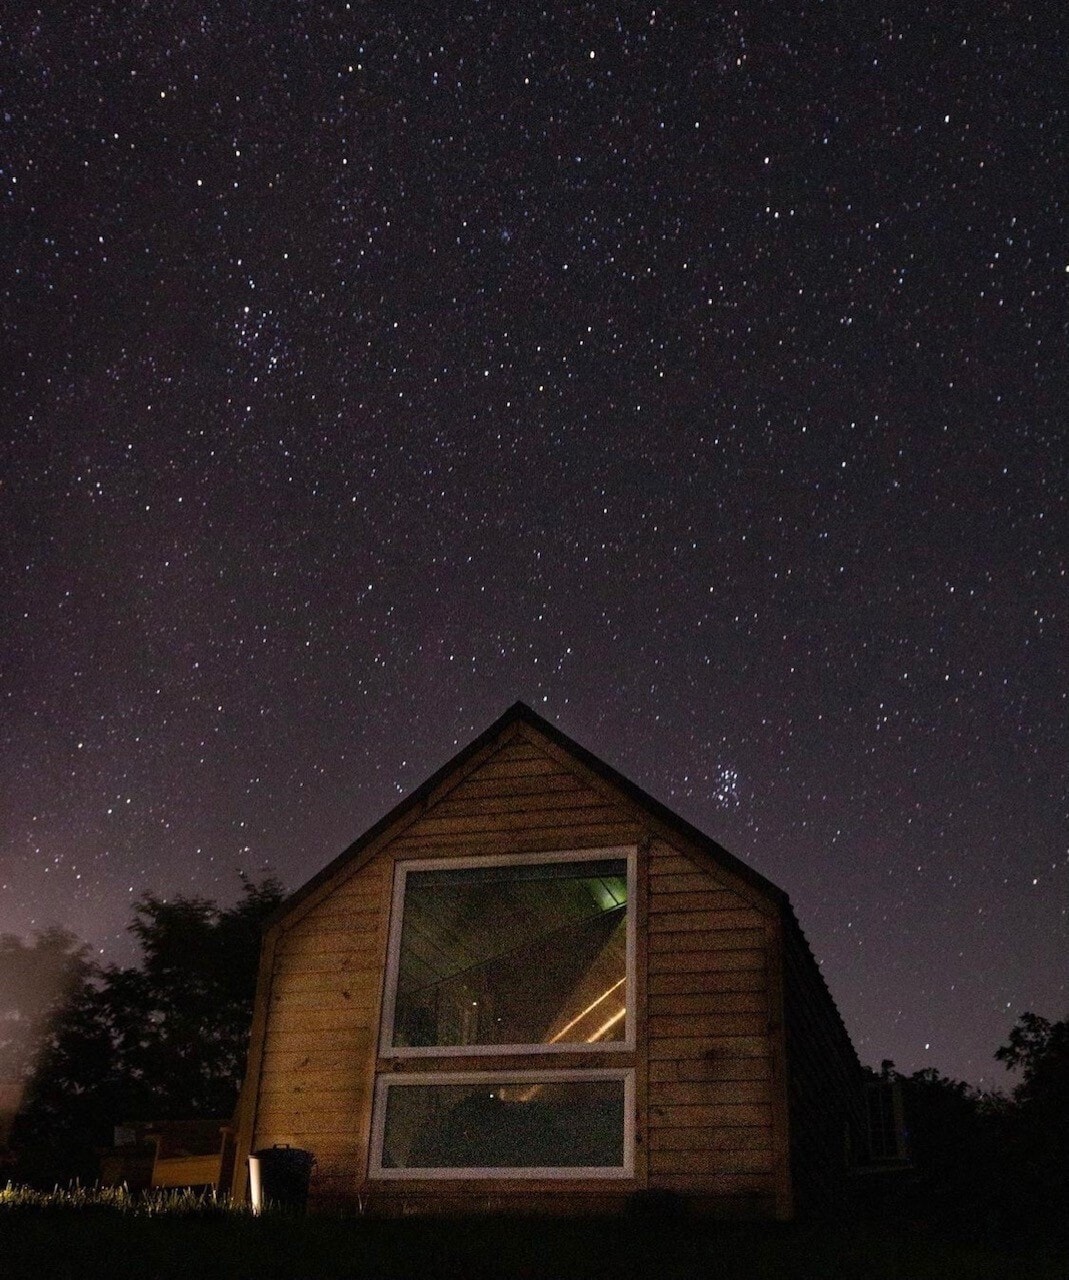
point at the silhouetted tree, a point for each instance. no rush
(165, 1040)
(984, 1164)
(946, 1119)
(952, 1137)
(1038, 1129)
(1040, 1049)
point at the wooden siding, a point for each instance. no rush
(320, 1044)
(321, 1028)
(824, 1080)
(708, 1124)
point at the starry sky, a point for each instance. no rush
(696, 374)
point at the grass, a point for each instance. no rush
(68, 1235)
(145, 1204)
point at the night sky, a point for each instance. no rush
(694, 374)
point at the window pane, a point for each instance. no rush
(513, 955)
(503, 1125)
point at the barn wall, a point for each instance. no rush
(824, 1085)
(705, 1063)
(322, 1021)
(711, 1060)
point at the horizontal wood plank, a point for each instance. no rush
(483, 1196)
(666, 883)
(464, 824)
(417, 844)
(525, 765)
(703, 921)
(315, 1082)
(360, 966)
(743, 1138)
(725, 1047)
(558, 801)
(334, 1146)
(735, 950)
(347, 1005)
(724, 979)
(708, 899)
(365, 882)
(334, 1114)
(666, 861)
(725, 1115)
(517, 747)
(479, 787)
(706, 1024)
(334, 941)
(721, 1162)
(718, 1185)
(705, 1068)
(337, 978)
(708, 1092)
(348, 1040)
(339, 1018)
(362, 915)
(722, 940)
(708, 1002)
(312, 1059)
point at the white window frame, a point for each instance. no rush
(431, 1078)
(389, 1000)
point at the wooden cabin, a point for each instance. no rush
(531, 987)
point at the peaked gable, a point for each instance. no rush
(524, 778)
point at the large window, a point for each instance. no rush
(520, 954)
(508, 956)
(526, 1124)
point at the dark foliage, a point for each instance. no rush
(166, 1040)
(949, 1123)
(984, 1164)
(1040, 1049)
(1037, 1129)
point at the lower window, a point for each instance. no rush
(521, 1124)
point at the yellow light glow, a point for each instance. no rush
(590, 1007)
(606, 1025)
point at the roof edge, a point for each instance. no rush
(521, 713)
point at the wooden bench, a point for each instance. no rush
(178, 1163)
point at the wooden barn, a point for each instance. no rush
(533, 988)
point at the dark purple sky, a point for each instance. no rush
(695, 374)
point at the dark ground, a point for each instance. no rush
(65, 1244)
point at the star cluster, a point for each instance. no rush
(694, 374)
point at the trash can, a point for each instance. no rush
(279, 1177)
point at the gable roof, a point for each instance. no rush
(521, 714)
